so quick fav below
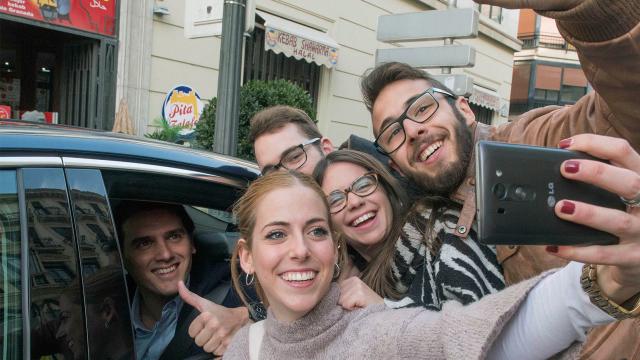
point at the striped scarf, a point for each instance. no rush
(431, 267)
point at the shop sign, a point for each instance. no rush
(96, 16)
(289, 44)
(485, 99)
(5, 112)
(182, 107)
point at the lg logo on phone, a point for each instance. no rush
(551, 199)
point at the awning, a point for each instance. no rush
(485, 98)
(294, 40)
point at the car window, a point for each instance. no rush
(57, 317)
(10, 279)
(105, 291)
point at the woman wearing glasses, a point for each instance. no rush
(395, 259)
(287, 248)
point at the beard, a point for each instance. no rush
(447, 181)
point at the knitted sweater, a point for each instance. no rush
(376, 332)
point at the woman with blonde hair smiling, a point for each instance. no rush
(287, 249)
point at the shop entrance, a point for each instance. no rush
(56, 77)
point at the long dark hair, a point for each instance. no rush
(377, 274)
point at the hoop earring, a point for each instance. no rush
(336, 272)
(247, 281)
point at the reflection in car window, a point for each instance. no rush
(57, 320)
(10, 289)
(107, 306)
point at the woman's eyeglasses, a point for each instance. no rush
(363, 186)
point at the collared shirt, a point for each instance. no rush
(150, 343)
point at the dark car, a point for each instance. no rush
(59, 253)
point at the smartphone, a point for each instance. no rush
(517, 187)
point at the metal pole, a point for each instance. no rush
(451, 4)
(228, 110)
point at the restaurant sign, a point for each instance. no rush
(182, 107)
(294, 45)
(96, 16)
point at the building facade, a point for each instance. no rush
(163, 44)
(547, 70)
(58, 61)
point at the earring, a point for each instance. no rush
(247, 281)
(336, 272)
(106, 324)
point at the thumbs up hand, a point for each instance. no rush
(214, 328)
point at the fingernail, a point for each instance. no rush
(552, 249)
(568, 207)
(565, 143)
(571, 166)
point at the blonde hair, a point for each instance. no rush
(245, 212)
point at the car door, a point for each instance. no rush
(61, 276)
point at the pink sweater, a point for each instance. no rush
(330, 332)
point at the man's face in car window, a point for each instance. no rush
(157, 251)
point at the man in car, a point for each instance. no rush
(429, 133)
(159, 254)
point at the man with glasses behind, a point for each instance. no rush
(284, 137)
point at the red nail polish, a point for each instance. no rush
(571, 166)
(568, 207)
(565, 143)
(552, 249)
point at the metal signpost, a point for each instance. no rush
(432, 25)
(228, 110)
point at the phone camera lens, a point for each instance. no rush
(520, 193)
(500, 191)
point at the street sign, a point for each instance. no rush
(460, 84)
(428, 25)
(430, 57)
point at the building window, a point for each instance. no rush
(483, 114)
(267, 65)
(492, 12)
(572, 94)
(546, 95)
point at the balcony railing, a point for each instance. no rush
(531, 41)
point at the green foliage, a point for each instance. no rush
(165, 132)
(254, 96)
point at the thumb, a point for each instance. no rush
(191, 298)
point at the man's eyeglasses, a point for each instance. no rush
(363, 186)
(292, 159)
(392, 136)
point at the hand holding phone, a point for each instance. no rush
(517, 188)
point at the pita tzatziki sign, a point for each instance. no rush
(182, 107)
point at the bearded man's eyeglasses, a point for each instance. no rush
(393, 135)
(292, 159)
(363, 186)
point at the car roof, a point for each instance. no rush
(27, 138)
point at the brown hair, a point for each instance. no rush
(377, 274)
(245, 211)
(376, 79)
(129, 208)
(276, 117)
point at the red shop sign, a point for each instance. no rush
(96, 16)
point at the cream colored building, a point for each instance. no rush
(155, 54)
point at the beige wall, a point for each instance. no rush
(174, 59)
